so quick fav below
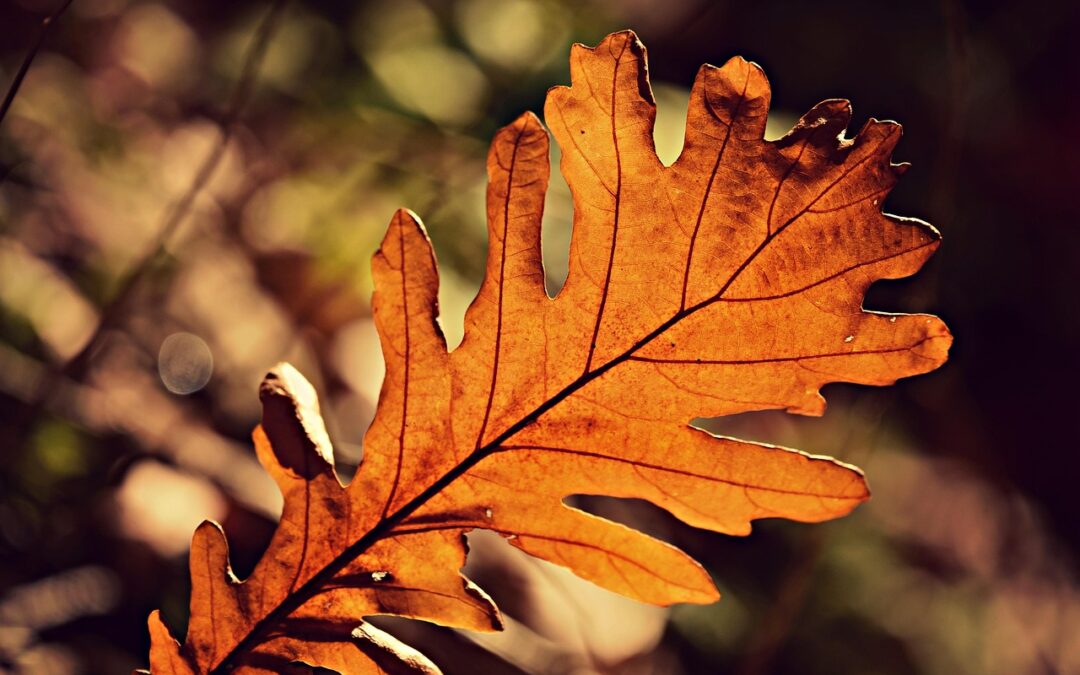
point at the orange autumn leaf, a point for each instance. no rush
(728, 282)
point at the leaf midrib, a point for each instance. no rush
(309, 589)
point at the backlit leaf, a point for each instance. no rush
(729, 282)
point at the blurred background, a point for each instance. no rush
(191, 192)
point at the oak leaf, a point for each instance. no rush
(728, 282)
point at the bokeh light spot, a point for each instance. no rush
(185, 363)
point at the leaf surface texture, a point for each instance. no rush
(731, 281)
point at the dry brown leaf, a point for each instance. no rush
(731, 281)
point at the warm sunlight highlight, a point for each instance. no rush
(731, 281)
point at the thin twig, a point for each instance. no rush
(174, 216)
(46, 24)
(113, 312)
(789, 600)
